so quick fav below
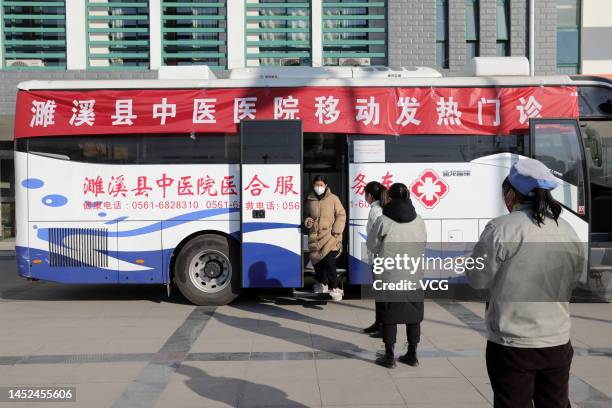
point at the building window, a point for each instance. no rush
(194, 33)
(34, 34)
(277, 32)
(354, 32)
(442, 33)
(568, 36)
(503, 29)
(472, 26)
(117, 34)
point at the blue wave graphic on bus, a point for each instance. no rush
(43, 233)
(54, 200)
(260, 226)
(117, 220)
(32, 183)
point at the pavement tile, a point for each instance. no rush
(349, 390)
(602, 383)
(265, 343)
(221, 346)
(592, 366)
(280, 370)
(108, 372)
(288, 392)
(470, 366)
(424, 390)
(349, 368)
(433, 368)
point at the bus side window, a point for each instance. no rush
(185, 148)
(102, 149)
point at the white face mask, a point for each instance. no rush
(319, 190)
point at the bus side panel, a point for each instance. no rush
(21, 213)
(79, 211)
(135, 264)
(443, 195)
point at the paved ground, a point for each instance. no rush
(130, 346)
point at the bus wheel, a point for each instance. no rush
(208, 270)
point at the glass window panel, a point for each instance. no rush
(354, 35)
(502, 49)
(568, 69)
(567, 13)
(441, 21)
(117, 35)
(443, 148)
(36, 42)
(199, 40)
(502, 21)
(567, 47)
(442, 54)
(277, 35)
(471, 50)
(471, 20)
(182, 149)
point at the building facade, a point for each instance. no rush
(123, 39)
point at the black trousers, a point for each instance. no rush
(378, 309)
(325, 270)
(413, 333)
(522, 375)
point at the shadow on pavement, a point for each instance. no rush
(308, 340)
(230, 391)
(273, 311)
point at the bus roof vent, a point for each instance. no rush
(395, 72)
(291, 72)
(185, 72)
(497, 66)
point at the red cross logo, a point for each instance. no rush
(429, 188)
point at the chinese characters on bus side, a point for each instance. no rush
(101, 191)
(117, 186)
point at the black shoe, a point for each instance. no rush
(373, 328)
(376, 334)
(410, 357)
(387, 360)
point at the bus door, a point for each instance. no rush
(558, 144)
(271, 213)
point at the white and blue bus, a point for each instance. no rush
(201, 181)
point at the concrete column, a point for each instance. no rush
(76, 34)
(316, 29)
(155, 34)
(235, 34)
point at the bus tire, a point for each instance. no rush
(208, 270)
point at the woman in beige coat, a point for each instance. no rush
(325, 220)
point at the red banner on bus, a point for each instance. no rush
(356, 110)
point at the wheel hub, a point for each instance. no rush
(213, 269)
(210, 271)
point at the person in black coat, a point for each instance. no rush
(399, 232)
